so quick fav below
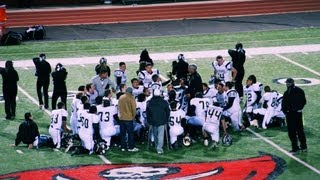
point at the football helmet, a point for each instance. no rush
(226, 140)
(186, 141)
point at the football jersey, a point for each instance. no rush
(74, 106)
(213, 115)
(279, 102)
(201, 106)
(141, 111)
(155, 85)
(231, 93)
(210, 93)
(137, 91)
(223, 72)
(120, 74)
(176, 117)
(251, 93)
(105, 115)
(270, 98)
(146, 77)
(87, 123)
(80, 116)
(56, 118)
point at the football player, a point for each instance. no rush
(269, 102)
(199, 106)
(232, 109)
(91, 93)
(176, 129)
(157, 83)
(86, 131)
(120, 75)
(252, 90)
(211, 126)
(210, 93)
(222, 69)
(107, 125)
(145, 76)
(74, 110)
(58, 123)
(137, 89)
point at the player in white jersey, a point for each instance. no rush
(120, 75)
(58, 124)
(200, 105)
(222, 69)
(278, 113)
(176, 130)
(145, 76)
(269, 102)
(210, 93)
(252, 90)
(136, 88)
(107, 122)
(232, 109)
(86, 131)
(74, 110)
(211, 126)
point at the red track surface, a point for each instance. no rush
(174, 11)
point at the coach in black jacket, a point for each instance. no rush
(194, 82)
(293, 102)
(43, 71)
(59, 77)
(238, 59)
(158, 113)
(10, 78)
(28, 131)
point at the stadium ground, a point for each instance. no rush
(268, 67)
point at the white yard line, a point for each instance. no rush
(104, 159)
(19, 151)
(284, 151)
(297, 64)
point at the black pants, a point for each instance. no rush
(126, 127)
(43, 86)
(238, 84)
(55, 96)
(10, 105)
(295, 130)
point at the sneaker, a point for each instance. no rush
(133, 150)
(41, 107)
(68, 147)
(293, 152)
(304, 150)
(123, 149)
(206, 142)
(160, 152)
(56, 149)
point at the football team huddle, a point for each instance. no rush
(196, 116)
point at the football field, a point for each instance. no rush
(270, 146)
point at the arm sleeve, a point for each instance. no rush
(229, 104)
(258, 97)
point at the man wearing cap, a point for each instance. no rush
(292, 105)
(194, 82)
(43, 71)
(127, 113)
(158, 113)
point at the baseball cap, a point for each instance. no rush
(289, 80)
(129, 90)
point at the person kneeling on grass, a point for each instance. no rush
(28, 132)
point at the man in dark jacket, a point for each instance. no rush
(103, 65)
(43, 71)
(194, 82)
(28, 132)
(9, 88)
(59, 77)
(180, 67)
(238, 59)
(292, 105)
(158, 113)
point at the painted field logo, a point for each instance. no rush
(261, 167)
(299, 81)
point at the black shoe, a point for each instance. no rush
(8, 117)
(294, 151)
(304, 149)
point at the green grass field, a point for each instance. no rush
(246, 145)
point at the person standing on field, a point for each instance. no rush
(293, 103)
(59, 77)
(43, 71)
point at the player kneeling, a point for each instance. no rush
(107, 127)
(58, 124)
(176, 129)
(211, 126)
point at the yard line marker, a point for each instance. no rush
(32, 99)
(304, 53)
(19, 151)
(284, 151)
(82, 65)
(104, 159)
(297, 64)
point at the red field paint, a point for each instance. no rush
(262, 167)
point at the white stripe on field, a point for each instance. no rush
(284, 151)
(305, 53)
(104, 159)
(297, 64)
(19, 151)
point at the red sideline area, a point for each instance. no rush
(143, 13)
